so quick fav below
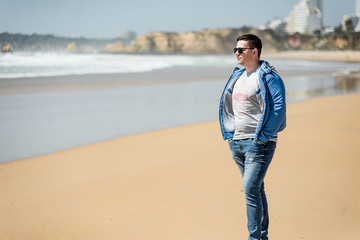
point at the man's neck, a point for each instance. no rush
(253, 67)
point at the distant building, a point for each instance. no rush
(306, 17)
(351, 23)
(277, 25)
(357, 26)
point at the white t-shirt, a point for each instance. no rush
(246, 106)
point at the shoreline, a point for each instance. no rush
(37, 109)
(172, 185)
(340, 56)
(106, 81)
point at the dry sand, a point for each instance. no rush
(181, 183)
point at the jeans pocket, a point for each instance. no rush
(254, 151)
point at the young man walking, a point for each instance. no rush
(252, 112)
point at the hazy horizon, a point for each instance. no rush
(109, 18)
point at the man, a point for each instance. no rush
(252, 112)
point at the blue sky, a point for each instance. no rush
(108, 18)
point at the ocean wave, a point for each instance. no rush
(34, 64)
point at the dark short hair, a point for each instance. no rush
(253, 41)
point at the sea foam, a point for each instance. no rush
(34, 64)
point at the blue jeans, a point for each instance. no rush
(253, 161)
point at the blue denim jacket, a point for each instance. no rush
(271, 96)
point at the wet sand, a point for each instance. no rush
(181, 183)
(99, 82)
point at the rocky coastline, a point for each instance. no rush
(206, 41)
(217, 41)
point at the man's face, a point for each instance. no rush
(246, 56)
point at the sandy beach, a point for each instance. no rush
(177, 183)
(181, 183)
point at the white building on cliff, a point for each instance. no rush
(357, 26)
(352, 22)
(306, 17)
(277, 25)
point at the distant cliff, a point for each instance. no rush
(207, 41)
(38, 42)
(217, 41)
(221, 41)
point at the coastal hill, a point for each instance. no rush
(217, 41)
(207, 41)
(220, 41)
(48, 42)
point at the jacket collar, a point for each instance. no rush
(265, 67)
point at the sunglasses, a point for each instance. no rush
(240, 50)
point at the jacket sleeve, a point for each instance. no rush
(276, 119)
